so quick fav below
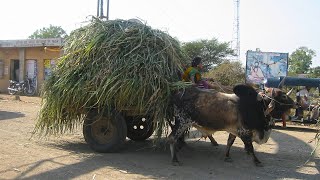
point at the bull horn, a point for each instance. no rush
(259, 97)
(272, 93)
(288, 93)
(270, 108)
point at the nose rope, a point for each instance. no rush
(276, 100)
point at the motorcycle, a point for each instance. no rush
(25, 87)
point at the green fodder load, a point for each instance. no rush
(115, 64)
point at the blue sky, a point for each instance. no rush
(271, 25)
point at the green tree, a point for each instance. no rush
(228, 73)
(212, 51)
(314, 72)
(50, 32)
(300, 60)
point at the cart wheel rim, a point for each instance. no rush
(103, 130)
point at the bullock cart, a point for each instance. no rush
(312, 113)
(114, 79)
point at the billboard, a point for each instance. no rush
(262, 65)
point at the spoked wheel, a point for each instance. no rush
(104, 133)
(139, 128)
(30, 91)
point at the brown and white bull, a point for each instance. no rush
(246, 114)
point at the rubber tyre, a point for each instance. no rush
(29, 92)
(134, 125)
(104, 134)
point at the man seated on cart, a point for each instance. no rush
(304, 103)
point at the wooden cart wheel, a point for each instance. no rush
(104, 133)
(139, 128)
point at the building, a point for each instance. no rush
(32, 58)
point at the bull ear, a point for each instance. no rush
(288, 93)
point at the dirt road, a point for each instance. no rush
(69, 157)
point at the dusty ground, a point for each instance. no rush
(69, 157)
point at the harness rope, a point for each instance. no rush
(276, 100)
(219, 86)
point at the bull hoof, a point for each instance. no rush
(258, 164)
(181, 144)
(228, 159)
(176, 163)
(214, 144)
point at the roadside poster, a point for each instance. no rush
(263, 65)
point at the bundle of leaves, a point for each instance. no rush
(121, 65)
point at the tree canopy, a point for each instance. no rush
(49, 32)
(300, 60)
(211, 51)
(314, 72)
(228, 73)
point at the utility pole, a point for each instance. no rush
(100, 6)
(236, 30)
(107, 9)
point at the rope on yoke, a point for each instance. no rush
(218, 84)
(276, 100)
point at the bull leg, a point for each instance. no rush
(213, 141)
(250, 150)
(229, 144)
(181, 142)
(173, 151)
(176, 144)
(182, 123)
(283, 117)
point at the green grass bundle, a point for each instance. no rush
(115, 64)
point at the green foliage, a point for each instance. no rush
(293, 74)
(228, 73)
(212, 51)
(111, 65)
(314, 72)
(300, 60)
(50, 32)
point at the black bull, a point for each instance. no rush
(246, 114)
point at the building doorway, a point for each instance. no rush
(14, 70)
(32, 72)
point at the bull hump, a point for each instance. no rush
(217, 112)
(216, 99)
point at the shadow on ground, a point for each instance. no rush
(6, 115)
(200, 161)
(300, 129)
